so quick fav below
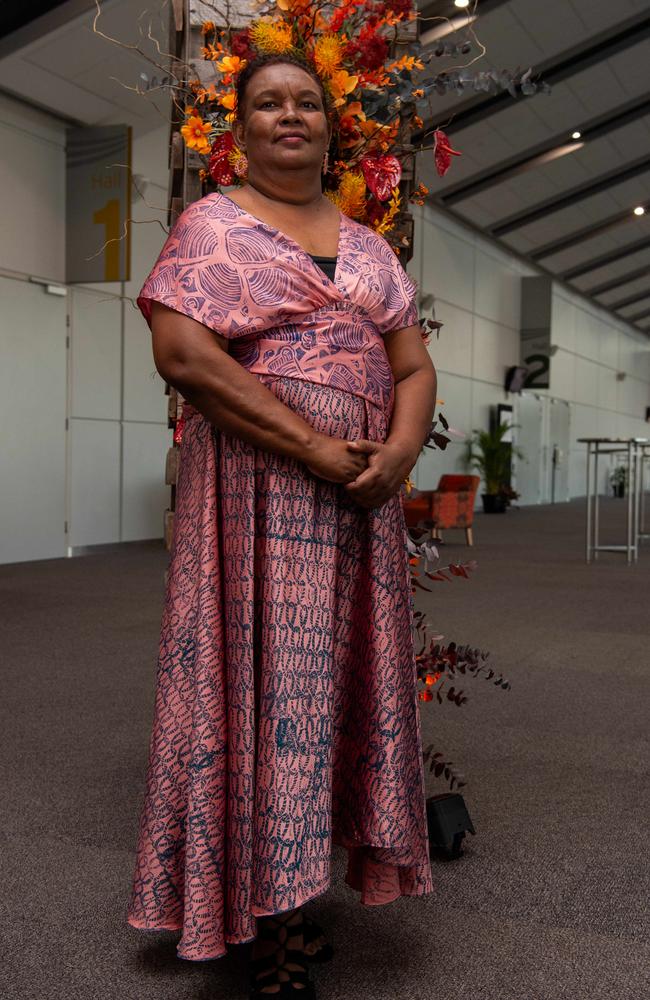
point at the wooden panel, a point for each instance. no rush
(169, 528)
(178, 7)
(171, 466)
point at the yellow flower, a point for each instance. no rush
(230, 64)
(195, 132)
(342, 83)
(388, 221)
(271, 36)
(350, 196)
(328, 53)
(238, 161)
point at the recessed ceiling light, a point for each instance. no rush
(639, 210)
(462, 3)
(576, 135)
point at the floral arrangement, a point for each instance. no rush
(373, 95)
(441, 667)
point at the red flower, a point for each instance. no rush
(219, 167)
(375, 212)
(382, 174)
(442, 152)
(340, 14)
(178, 430)
(369, 51)
(240, 45)
(402, 8)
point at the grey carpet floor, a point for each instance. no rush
(550, 900)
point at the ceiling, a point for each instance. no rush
(569, 214)
(56, 61)
(565, 205)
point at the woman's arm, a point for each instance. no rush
(416, 386)
(415, 398)
(195, 361)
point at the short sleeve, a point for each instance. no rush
(191, 275)
(407, 312)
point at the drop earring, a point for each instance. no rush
(326, 160)
(240, 164)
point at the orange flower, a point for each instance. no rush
(195, 132)
(425, 696)
(212, 52)
(208, 93)
(295, 6)
(349, 124)
(231, 64)
(432, 679)
(208, 27)
(419, 194)
(406, 62)
(380, 133)
(341, 84)
(228, 99)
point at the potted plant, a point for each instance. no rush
(618, 480)
(490, 456)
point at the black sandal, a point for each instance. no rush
(265, 971)
(311, 932)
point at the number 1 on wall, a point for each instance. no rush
(109, 218)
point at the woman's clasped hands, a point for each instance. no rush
(371, 471)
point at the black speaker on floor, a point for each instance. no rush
(448, 822)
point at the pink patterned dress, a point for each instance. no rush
(286, 715)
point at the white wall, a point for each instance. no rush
(118, 407)
(114, 447)
(478, 297)
(32, 180)
(593, 348)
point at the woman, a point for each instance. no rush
(286, 716)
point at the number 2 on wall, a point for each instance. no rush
(109, 218)
(537, 377)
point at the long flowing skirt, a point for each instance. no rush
(286, 716)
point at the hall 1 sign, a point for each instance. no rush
(535, 330)
(98, 203)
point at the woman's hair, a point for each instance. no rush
(261, 62)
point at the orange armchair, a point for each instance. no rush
(450, 506)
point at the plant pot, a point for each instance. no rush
(619, 490)
(493, 503)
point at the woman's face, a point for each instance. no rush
(283, 124)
